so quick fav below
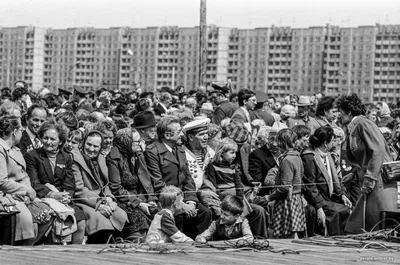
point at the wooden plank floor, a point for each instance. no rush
(89, 254)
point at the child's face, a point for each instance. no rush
(228, 218)
(178, 202)
(229, 156)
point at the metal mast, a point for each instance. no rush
(203, 43)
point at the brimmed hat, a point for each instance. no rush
(144, 119)
(64, 92)
(304, 101)
(223, 89)
(79, 90)
(196, 126)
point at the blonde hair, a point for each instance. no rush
(224, 146)
(168, 196)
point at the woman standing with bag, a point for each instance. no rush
(366, 149)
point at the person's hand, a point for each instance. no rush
(152, 203)
(105, 210)
(346, 201)
(189, 209)
(201, 239)
(321, 217)
(368, 185)
(112, 204)
(144, 207)
(62, 197)
(19, 196)
(31, 193)
(209, 194)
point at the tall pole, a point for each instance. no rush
(203, 42)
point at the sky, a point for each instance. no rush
(60, 14)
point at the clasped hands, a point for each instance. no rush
(107, 207)
(63, 197)
(190, 209)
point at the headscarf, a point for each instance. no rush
(123, 141)
(385, 110)
(85, 139)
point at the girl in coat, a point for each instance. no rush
(288, 215)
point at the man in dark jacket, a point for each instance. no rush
(167, 164)
(224, 108)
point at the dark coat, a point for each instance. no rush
(115, 166)
(316, 191)
(223, 111)
(159, 110)
(260, 162)
(39, 170)
(315, 172)
(367, 150)
(260, 114)
(25, 143)
(166, 169)
(244, 152)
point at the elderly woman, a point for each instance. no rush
(92, 191)
(367, 150)
(130, 181)
(49, 169)
(34, 218)
(108, 129)
(323, 188)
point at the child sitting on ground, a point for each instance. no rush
(230, 225)
(163, 228)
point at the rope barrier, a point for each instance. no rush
(186, 192)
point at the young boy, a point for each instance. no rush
(163, 228)
(230, 225)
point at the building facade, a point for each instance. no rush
(278, 60)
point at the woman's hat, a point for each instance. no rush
(144, 119)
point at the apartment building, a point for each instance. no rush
(278, 60)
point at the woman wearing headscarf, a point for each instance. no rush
(384, 117)
(130, 181)
(92, 191)
(34, 218)
(49, 169)
(367, 150)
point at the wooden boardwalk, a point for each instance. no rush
(308, 254)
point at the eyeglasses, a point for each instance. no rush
(137, 143)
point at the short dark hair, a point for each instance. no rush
(273, 98)
(232, 204)
(232, 96)
(52, 101)
(19, 92)
(350, 104)
(60, 128)
(324, 104)
(243, 95)
(321, 135)
(301, 130)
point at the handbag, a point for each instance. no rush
(391, 171)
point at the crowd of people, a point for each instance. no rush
(206, 164)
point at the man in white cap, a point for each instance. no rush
(198, 153)
(303, 106)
